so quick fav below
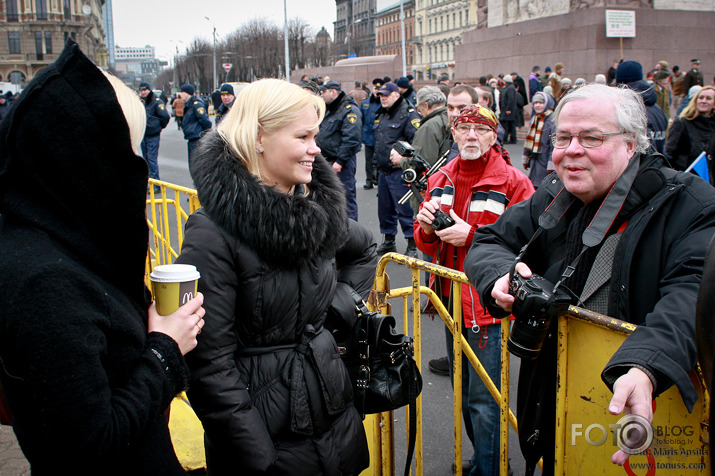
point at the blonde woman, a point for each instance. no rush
(693, 132)
(274, 248)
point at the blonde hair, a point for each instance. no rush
(133, 109)
(267, 105)
(691, 110)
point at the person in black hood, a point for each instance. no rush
(630, 74)
(275, 250)
(89, 367)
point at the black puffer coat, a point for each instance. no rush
(267, 381)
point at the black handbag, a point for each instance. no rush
(380, 363)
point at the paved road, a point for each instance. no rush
(437, 392)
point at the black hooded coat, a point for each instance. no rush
(82, 377)
(267, 380)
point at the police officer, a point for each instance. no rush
(369, 108)
(406, 90)
(227, 99)
(396, 121)
(156, 119)
(339, 138)
(196, 119)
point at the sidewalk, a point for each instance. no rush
(12, 461)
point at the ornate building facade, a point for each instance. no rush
(33, 33)
(388, 31)
(354, 28)
(440, 25)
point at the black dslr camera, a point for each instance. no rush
(442, 220)
(418, 166)
(536, 302)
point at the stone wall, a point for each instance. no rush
(578, 40)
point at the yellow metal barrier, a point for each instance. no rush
(587, 340)
(582, 399)
(167, 213)
(585, 430)
(379, 301)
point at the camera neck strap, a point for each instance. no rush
(600, 224)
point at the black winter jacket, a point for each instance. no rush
(156, 116)
(79, 371)
(656, 275)
(196, 120)
(400, 122)
(341, 129)
(687, 138)
(657, 120)
(267, 381)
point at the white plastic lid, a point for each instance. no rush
(174, 273)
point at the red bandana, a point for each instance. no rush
(477, 114)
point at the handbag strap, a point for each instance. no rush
(365, 369)
(413, 421)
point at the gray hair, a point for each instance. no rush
(630, 111)
(432, 96)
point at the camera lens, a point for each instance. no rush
(527, 336)
(409, 175)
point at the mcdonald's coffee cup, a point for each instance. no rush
(174, 285)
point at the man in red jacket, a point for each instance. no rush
(473, 190)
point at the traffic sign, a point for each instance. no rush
(227, 66)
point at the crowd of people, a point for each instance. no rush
(279, 249)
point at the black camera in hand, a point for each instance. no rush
(536, 302)
(442, 220)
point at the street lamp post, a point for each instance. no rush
(285, 34)
(214, 26)
(402, 27)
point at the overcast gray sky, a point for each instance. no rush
(178, 22)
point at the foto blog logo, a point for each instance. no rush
(632, 434)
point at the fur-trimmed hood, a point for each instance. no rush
(284, 230)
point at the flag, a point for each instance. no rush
(700, 167)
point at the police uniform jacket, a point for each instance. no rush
(196, 119)
(156, 115)
(267, 380)
(368, 108)
(223, 110)
(657, 270)
(411, 96)
(400, 122)
(339, 135)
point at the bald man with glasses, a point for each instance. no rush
(622, 235)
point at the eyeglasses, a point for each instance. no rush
(479, 129)
(588, 139)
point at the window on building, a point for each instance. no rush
(38, 44)
(67, 9)
(41, 9)
(11, 10)
(48, 42)
(460, 20)
(13, 39)
(454, 20)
